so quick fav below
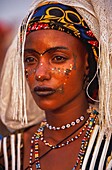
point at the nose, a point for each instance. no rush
(42, 72)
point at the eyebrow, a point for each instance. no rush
(47, 50)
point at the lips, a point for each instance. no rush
(44, 91)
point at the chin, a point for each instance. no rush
(45, 104)
(46, 107)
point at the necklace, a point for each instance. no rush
(85, 140)
(67, 142)
(84, 143)
(68, 125)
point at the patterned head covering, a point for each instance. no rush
(62, 18)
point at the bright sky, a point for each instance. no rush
(13, 10)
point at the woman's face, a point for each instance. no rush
(55, 65)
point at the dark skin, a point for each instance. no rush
(56, 60)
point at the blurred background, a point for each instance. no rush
(11, 14)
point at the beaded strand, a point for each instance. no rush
(31, 152)
(83, 147)
(34, 144)
(85, 140)
(67, 142)
(68, 125)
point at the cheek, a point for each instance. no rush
(30, 78)
(74, 80)
(62, 74)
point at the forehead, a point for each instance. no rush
(50, 38)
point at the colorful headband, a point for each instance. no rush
(63, 18)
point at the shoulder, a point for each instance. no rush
(11, 147)
(98, 154)
(16, 136)
(8, 149)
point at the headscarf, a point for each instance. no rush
(63, 18)
(14, 90)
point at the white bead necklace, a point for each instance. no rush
(68, 125)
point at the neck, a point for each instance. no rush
(68, 113)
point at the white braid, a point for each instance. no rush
(105, 89)
(18, 151)
(13, 151)
(97, 147)
(5, 152)
(90, 145)
(105, 149)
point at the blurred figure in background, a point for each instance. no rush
(10, 15)
(6, 35)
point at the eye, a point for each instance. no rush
(59, 59)
(30, 60)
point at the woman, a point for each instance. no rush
(59, 55)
